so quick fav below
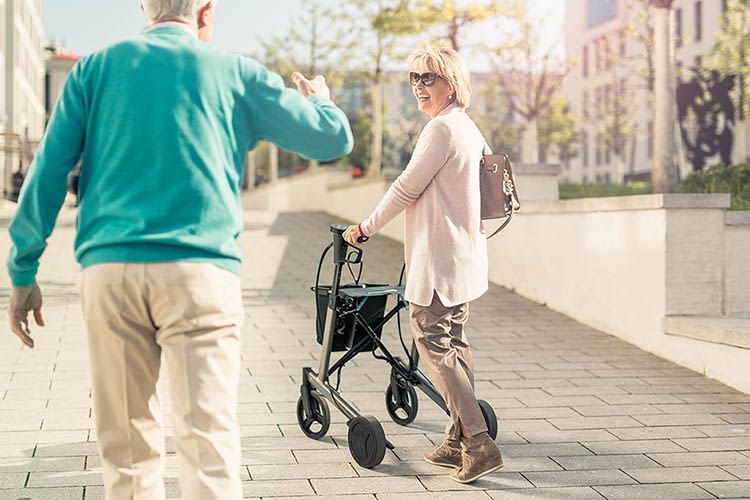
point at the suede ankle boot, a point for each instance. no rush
(480, 456)
(448, 454)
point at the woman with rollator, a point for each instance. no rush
(445, 251)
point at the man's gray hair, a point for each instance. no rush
(185, 10)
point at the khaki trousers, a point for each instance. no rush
(445, 354)
(191, 314)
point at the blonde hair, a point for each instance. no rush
(448, 64)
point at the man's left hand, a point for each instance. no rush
(24, 299)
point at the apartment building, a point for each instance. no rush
(611, 86)
(22, 110)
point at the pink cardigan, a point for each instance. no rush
(445, 247)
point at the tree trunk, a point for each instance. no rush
(273, 162)
(250, 169)
(618, 170)
(663, 173)
(530, 144)
(376, 148)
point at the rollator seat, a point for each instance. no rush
(371, 301)
(371, 291)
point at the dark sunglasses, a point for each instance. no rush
(427, 78)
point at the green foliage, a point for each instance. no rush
(718, 179)
(721, 179)
(569, 190)
(530, 72)
(451, 19)
(558, 126)
(731, 55)
(315, 43)
(499, 132)
(362, 130)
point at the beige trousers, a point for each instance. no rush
(191, 314)
(445, 354)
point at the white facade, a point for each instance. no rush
(23, 70)
(59, 63)
(594, 27)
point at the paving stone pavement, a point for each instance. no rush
(582, 414)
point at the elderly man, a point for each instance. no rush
(162, 123)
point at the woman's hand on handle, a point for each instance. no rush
(353, 234)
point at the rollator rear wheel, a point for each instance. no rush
(366, 441)
(317, 423)
(489, 418)
(402, 404)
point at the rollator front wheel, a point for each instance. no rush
(366, 441)
(489, 418)
(317, 423)
(402, 403)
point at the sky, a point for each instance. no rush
(83, 26)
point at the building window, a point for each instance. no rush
(585, 104)
(623, 44)
(607, 155)
(698, 21)
(607, 54)
(724, 6)
(598, 155)
(650, 139)
(678, 27)
(698, 62)
(585, 63)
(607, 97)
(600, 11)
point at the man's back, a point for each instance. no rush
(163, 122)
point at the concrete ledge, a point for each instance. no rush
(738, 218)
(624, 203)
(536, 169)
(734, 332)
(355, 183)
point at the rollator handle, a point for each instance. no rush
(340, 246)
(340, 228)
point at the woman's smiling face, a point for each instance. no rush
(434, 98)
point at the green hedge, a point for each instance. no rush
(590, 190)
(733, 179)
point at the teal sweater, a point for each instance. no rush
(162, 123)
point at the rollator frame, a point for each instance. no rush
(367, 441)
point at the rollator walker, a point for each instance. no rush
(350, 319)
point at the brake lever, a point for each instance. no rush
(357, 255)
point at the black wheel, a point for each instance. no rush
(402, 404)
(317, 423)
(366, 441)
(489, 418)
